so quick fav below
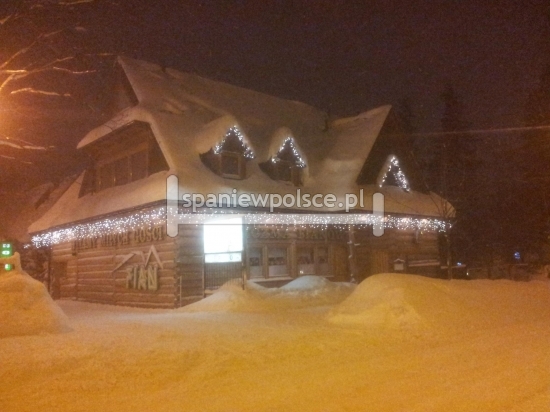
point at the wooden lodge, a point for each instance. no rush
(108, 233)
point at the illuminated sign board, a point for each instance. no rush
(223, 240)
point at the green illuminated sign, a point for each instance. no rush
(6, 251)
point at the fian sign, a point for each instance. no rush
(143, 275)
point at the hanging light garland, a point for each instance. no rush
(399, 176)
(118, 225)
(234, 130)
(109, 226)
(289, 142)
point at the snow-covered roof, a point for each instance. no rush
(188, 115)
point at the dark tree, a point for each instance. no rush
(533, 167)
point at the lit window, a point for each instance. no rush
(223, 240)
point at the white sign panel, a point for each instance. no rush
(223, 240)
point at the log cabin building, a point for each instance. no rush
(108, 234)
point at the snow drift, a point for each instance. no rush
(127, 359)
(301, 292)
(26, 308)
(407, 302)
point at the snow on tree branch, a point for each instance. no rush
(72, 3)
(39, 53)
(31, 90)
(23, 145)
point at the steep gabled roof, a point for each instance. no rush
(189, 114)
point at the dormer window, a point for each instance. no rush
(287, 165)
(391, 174)
(228, 158)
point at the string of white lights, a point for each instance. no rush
(100, 228)
(248, 153)
(117, 225)
(399, 176)
(300, 163)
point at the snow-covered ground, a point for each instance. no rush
(396, 343)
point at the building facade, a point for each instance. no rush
(108, 234)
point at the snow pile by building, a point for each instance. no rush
(408, 302)
(301, 292)
(26, 308)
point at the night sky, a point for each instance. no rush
(340, 56)
(346, 57)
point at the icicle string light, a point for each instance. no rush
(398, 175)
(157, 216)
(248, 153)
(100, 228)
(299, 160)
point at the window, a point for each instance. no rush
(313, 261)
(228, 158)
(106, 177)
(287, 165)
(128, 154)
(277, 261)
(122, 172)
(268, 261)
(138, 165)
(306, 261)
(223, 240)
(231, 164)
(255, 262)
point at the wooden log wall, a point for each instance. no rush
(90, 274)
(377, 254)
(67, 281)
(190, 264)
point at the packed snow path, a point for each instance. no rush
(250, 357)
